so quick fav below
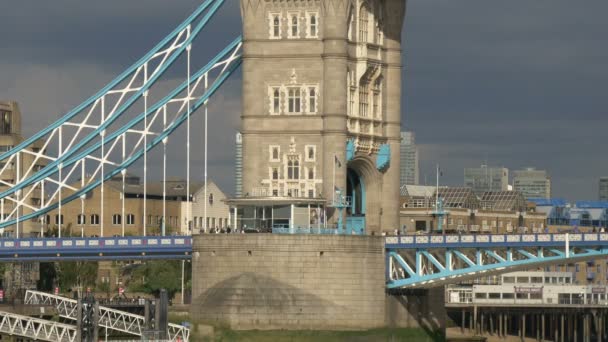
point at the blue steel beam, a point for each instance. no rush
(471, 256)
(53, 166)
(235, 45)
(118, 248)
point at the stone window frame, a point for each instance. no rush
(271, 25)
(309, 25)
(308, 173)
(270, 153)
(309, 99)
(297, 100)
(116, 220)
(273, 109)
(314, 153)
(94, 220)
(363, 22)
(290, 16)
(272, 170)
(81, 219)
(130, 219)
(293, 168)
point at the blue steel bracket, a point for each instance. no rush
(350, 150)
(383, 160)
(435, 260)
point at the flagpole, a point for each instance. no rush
(437, 190)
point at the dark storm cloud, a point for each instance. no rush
(517, 83)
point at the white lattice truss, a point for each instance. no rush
(90, 145)
(36, 329)
(108, 318)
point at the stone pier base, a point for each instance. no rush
(300, 282)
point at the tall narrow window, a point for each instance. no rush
(352, 101)
(294, 26)
(116, 219)
(293, 169)
(313, 25)
(376, 100)
(275, 173)
(294, 100)
(363, 100)
(274, 153)
(363, 23)
(312, 100)
(311, 173)
(276, 26)
(276, 101)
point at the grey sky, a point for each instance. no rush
(517, 83)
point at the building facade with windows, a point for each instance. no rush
(409, 172)
(321, 104)
(603, 189)
(497, 212)
(10, 136)
(123, 210)
(208, 210)
(485, 178)
(532, 183)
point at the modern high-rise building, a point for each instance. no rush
(10, 136)
(409, 171)
(238, 168)
(484, 178)
(532, 183)
(603, 189)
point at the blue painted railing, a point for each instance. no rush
(115, 248)
(495, 240)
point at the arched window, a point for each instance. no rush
(376, 109)
(130, 219)
(116, 219)
(210, 199)
(294, 25)
(94, 219)
(275, 173)
(363, 100)
(313, 25)
(312, 100)
(58, 219)
(311, 173)
(82, 219)
(363, 23)
(276, 26)
(293, 169)
(276, 101)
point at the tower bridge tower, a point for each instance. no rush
(321, 104)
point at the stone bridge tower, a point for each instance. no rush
(321, 104)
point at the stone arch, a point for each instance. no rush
(365, 167)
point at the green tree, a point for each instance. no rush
(153, 276)
(76, 274)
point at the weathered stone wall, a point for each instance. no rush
(417, 309)
(260, 281)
